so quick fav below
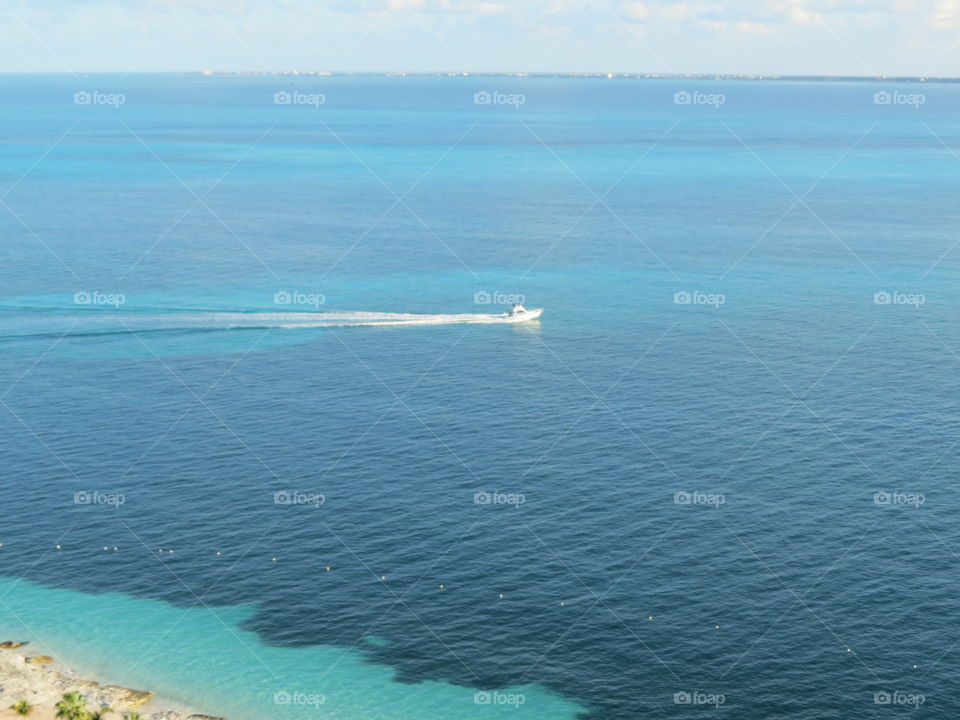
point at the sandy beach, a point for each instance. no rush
(42, 681)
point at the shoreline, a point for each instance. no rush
(41, 680)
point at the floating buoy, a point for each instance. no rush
(115, 548)
(273, 559)
(849, 650)
(57, 547)
(716, 627)
(105, 547)
(915, 667)
(328, 568)
(441, 587)
(562, 604)
(160, 550)
(218, 552)
(500, 596)
(649, 617)
(383, 577)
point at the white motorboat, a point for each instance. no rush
(518, 313)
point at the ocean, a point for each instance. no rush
(717, 475)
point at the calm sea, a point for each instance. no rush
(718, 476)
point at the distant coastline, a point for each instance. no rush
(587, 75)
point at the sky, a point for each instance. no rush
(796, 37)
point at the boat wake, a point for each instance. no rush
(50, 323)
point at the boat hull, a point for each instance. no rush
(525, 316)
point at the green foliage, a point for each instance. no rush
(22, 708)
(72, 706)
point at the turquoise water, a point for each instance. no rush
(748, 494)
(187, 654)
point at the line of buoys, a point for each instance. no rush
(169, 551)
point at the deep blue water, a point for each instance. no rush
(797, 399)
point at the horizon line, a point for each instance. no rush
(611, 75)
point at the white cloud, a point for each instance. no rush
(680, 11)
(797, 13)
(945, 15)
(636, 10)
(405, 4)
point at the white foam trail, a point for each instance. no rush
(333, 319)
(98, 322)
(380, 319)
